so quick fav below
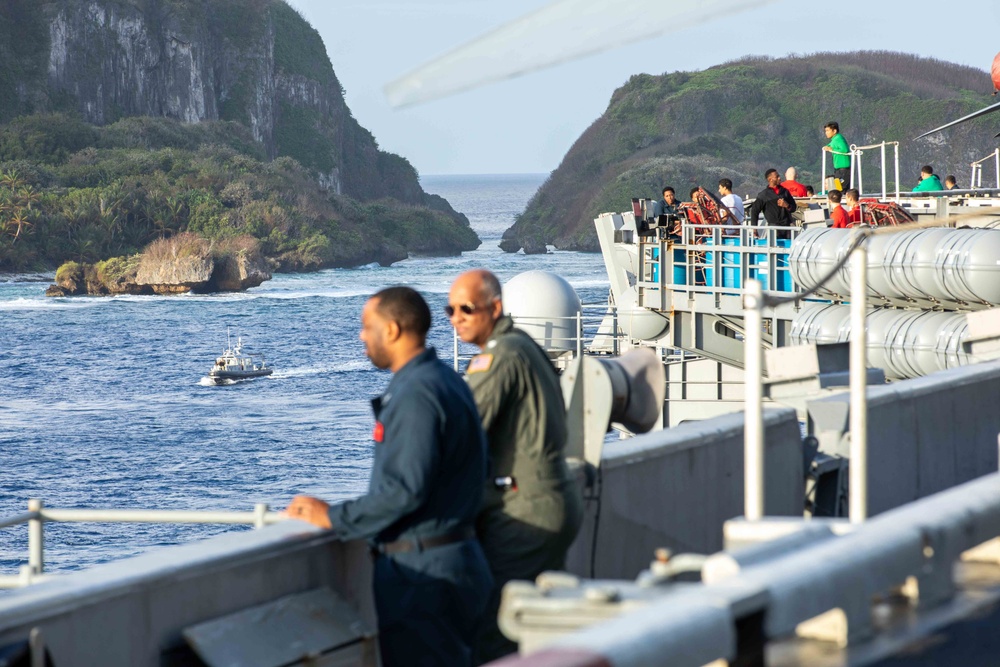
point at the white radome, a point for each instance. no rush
(545, 307)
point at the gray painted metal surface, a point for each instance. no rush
(130, 613)
(771, 598)
(298, 627)
(924, 435)
(676, 488)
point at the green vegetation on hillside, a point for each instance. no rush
(738, 119)
(71, 191)
(91, 170)
(298, 48)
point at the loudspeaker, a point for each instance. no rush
(628, 390)
(638, 385)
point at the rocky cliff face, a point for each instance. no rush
(252, 61)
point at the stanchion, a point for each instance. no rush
(753, 435)
(858, 501)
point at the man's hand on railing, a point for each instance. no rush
(309, 509)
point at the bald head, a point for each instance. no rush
(790, 174)
(480, 283)
(474, 305)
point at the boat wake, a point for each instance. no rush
(343, 367)
(46, 303)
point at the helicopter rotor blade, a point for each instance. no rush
(977, 114)
(559, 32)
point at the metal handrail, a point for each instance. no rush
(977, 169)
(822, 161)
(37, 515)
(588, 326)
(751, 259)
(697, 624)
(858, 152)
(18, 519)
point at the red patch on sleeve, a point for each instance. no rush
(378, 434)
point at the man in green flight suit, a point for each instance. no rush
(532, 508)
(841, 154)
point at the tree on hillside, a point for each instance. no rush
(16, 199)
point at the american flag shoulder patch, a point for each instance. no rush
(480, 363)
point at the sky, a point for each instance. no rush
(528, 123)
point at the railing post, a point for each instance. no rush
(884, 172)
(897, 172)
(579, 334)
(37, 644)
(260, 515)
(858, 501)
(996, 157)
(823, 171)
(861, 181)
(614, 328)
(454, 349)
(36, 538)
(753, 433)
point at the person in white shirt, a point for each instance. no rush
(732, 206)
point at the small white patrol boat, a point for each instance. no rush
(234, 364)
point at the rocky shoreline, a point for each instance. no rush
(182, 264)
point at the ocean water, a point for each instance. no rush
(103, 401)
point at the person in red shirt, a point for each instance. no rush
(852, 199)
(837, 212)
(794, 188)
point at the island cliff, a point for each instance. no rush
(196, 102)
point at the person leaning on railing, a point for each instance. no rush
(841, 154)
(431, 580)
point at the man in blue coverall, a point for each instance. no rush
(431, 580)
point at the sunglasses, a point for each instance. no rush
(467, 308)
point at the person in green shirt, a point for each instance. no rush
(841, 154)
(929, 181)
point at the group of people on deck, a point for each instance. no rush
(777, 201)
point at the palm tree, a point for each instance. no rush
(19, 218)
(11, 179)
(27, 195)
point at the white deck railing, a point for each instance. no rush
(38, 515)
(977, 169)
(857, 152)
(857, 176)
